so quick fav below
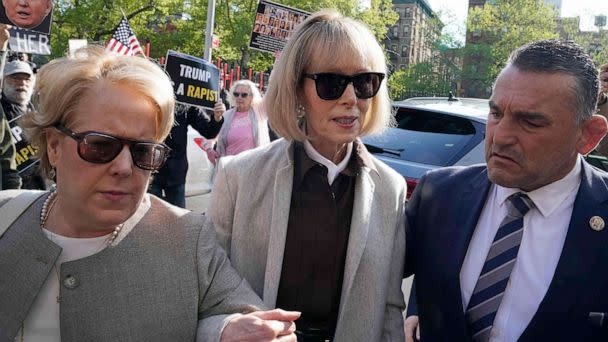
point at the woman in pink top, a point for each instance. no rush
(245, 126)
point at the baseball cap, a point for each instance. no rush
(17, 67)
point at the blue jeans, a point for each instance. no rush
(174, 194)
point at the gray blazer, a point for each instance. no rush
(160, 282)
(250, 211)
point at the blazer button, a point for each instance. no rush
(70, 282)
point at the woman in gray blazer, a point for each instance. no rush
(313, 221)
(96, 259)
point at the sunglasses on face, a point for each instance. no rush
(243, 95)
(331, 86)
(101, 148)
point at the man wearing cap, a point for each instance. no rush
(10, 177)
(17, 87)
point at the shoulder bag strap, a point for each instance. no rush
(12, 209)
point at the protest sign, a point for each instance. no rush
(273, 25)
(75, 44)
(26, 153)
(27, 41)
(34, 15)
(195, 81)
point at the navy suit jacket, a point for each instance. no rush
(441, 217)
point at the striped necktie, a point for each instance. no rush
(494, 277)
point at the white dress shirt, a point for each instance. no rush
(42, 321)
(332, 169)
(545, 228)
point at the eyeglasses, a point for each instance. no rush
(101, 148)
(243, 95)
(331, 86)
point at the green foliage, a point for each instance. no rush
(234, 22)
(95, 20)
(420, 78)
(505, 25)
(594, 42)
(180, 25)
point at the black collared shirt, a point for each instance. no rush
(317, 239)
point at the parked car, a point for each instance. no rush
(434, 132)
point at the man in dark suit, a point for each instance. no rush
(517, 249)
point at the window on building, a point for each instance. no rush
(405, 50)
(406, 30)
(408, 12)
(396, 31)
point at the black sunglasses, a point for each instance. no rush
(101, 148)
(243, 95)
(331, 86)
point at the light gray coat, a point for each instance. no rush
(160, 282)
(250, 211)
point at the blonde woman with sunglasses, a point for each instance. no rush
(245, 124)
(98, 259)
(313, 221)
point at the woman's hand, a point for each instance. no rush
(272, 325)
(412, 326)
(4, 36)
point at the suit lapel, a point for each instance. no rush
(364, 193)
(468, 209)
(278, 227)
(455, 241)
(580, 252)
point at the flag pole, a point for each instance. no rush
(209, 30)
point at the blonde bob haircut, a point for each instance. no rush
(253, 92)
(324, 42)
(63, 82)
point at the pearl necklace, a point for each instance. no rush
(47, 206)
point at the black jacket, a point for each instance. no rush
(175, 169)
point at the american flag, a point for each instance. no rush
(123, 40)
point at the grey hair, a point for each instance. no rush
(253, 91)
(566, 57)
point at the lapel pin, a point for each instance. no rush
(596, 223)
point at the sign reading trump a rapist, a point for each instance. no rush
(195, 81)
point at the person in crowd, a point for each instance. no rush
(313, 221)
(602, 105)
(511, 250)
(170, 181)
(97, 259)
(28, 14)
(17, 85)
(10, 178)
(245, 124)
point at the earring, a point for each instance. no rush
(52, 173)
(301, 111)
